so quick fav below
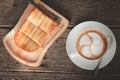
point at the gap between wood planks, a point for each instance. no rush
(69, 27)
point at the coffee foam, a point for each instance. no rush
(91, 44)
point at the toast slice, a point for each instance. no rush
(34, 33)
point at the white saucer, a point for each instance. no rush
(82, 62)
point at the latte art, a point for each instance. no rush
(91, 44)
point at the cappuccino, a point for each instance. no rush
(91, 44)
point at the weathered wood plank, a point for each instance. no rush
(105, 11)
(10, 11)
(56, 64)
(42, 76)
(5, 6)
(53, 76)
(56, 59)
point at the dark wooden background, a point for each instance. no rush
(56, 65)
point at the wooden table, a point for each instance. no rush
(56, 65)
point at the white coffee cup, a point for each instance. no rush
(81, 61)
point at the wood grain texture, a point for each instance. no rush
(56, 59)
(10, 12)
(76, 11)
(5, 6)
(56, 64)
(52, 76)
(42, 76)
(105, 11)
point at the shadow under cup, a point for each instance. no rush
(92, 44)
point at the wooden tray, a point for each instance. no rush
(33, 58)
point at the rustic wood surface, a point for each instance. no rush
(56, 64)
